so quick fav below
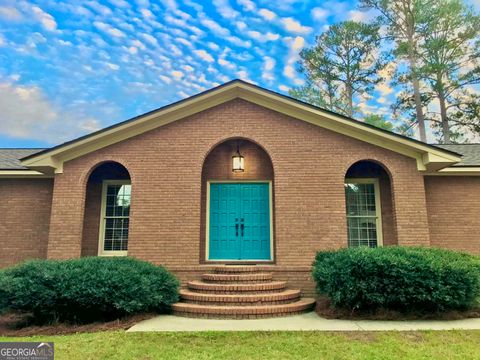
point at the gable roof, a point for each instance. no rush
(428, 157)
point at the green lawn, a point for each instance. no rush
(266, 345)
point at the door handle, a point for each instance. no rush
(242, 226)
(236, 229)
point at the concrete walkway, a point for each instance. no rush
(308, 321)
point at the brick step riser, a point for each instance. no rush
(238, 270)
(234, 292)
(223, 303)
(229, 278)
(237, 316)
(236, 287)
(228, 282)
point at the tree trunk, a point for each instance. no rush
(350, 100)
(417, 97)
(408, 10)
(443, 115)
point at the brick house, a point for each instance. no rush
(236, 175)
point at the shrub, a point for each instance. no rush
(398, 278)
(3, 297)
(88, 289)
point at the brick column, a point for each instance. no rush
(66, 221)
(410, 209)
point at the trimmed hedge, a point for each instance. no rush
(87, 289)
(398, 278)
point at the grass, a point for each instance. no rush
(265, 345)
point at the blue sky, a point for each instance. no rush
(68, 68)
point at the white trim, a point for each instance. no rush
(207, 225)
(8, 174)
(378, 203)
(101, 231)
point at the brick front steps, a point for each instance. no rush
(240, 292)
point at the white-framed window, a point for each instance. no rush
(364, 219)
(114, 218)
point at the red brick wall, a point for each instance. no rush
(91, 223)
(25, 210)
(166, 164)
(453, 205)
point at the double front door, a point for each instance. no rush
(239, 221)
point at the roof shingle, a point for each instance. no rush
(470, 153)
(10, 158)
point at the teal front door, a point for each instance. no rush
(239, 221)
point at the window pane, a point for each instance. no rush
(116, 221)
(362, 231)
(360, 199)
(361, 214)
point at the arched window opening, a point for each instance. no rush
(369, 206)
(107, 211)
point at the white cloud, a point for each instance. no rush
(139, 44)
(177, 74)
(47, 20)
(132, 50)
(108, 29)
(226, 63)
(263, 37)
(120, 3)
(10, 13)
(293, 26)
(202, 54)
(289, 71)
(27, 113)
(284, 88)
(242, 74)
(215, 27)
(239, 42)
(384, 89)
(319, 14)
(187, 68)
(185, 42)
(99, 8)
(267, 14)
(165, 79)
(113, 66)
(146, 13)
(360, 16)
(268, 66)
(213, 46)
(224, 9)
(150, 39)
(295, 45)
(247, 5)
(241, 25)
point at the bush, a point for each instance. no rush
(88, 289)
(3, 297)
(398, 278)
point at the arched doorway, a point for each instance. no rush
(369, 205)
(237, 214)
(107, 211)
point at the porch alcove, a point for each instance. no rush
(112, 173)
(217, 168)
(369, 201)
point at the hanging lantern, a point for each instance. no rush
(238, 161)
